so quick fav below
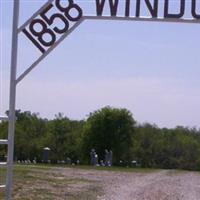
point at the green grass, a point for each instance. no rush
(85, 167)
(47, 182)
(114, 169)
(88, 167)
(43, 182)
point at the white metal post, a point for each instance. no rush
(11, 127)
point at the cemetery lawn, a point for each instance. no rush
(48, 182)
(52, 182)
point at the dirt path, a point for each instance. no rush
(159, 185)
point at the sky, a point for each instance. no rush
(152, 69)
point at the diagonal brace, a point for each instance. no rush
(49, 50)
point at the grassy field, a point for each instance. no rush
(61, 182)
(45, 182)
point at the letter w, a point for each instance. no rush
(113, 7)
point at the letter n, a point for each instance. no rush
(153, 9)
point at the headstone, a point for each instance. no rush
(134, 163)
(121, 163)
(106, 157)
(68, 161)
(110, 157)
(102, 163)
(34, 162)
(46, 152)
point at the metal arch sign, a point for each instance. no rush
(70, 21)
(65, 14)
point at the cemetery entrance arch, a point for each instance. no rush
(71, 14)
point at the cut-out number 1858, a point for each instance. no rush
(37, 36)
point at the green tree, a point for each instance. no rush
(112, 129)
(64, 138)
(29, 133)
(147, 145)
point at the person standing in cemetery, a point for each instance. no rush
(93, 157)
(96, 162)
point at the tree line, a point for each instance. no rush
(107, 128)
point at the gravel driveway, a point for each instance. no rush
(156, 185)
